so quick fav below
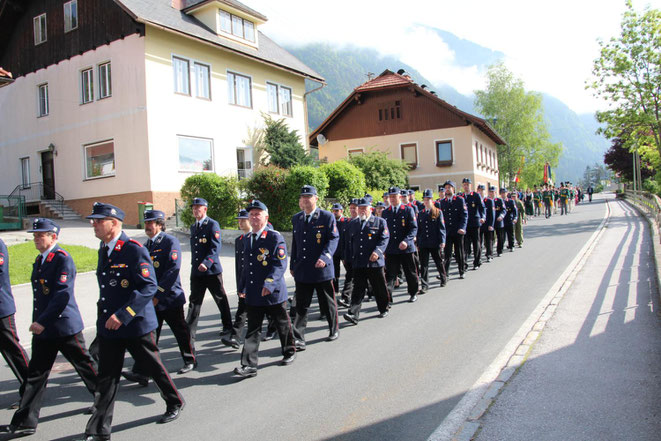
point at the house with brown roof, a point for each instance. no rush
(121, 100)
(392, 114)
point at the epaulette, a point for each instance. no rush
(136, 242)
(60, 250)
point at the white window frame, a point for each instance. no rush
(417, 153)
(25, 174)
(86, 176)
(451, 141)
(46, 108)
(187, 92)
(233, 28)
(83, 98)
(229, 96)
(68, 27)
(355, 151)
(283, 104)
(195, 65)
(107, 84)
(277, 97)
(247, 151)
(224, 14)
(212, 151)
(40, 37)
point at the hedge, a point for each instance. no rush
(345, 181)
(221, 192)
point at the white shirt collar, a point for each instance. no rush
(201, 221)
(153, 239)
(45, 253)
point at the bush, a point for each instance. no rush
(283, 145)
(221, 192)
(269, 185)
(380, 171)
(345, 181)
(299, 176)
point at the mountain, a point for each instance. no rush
(345, 68)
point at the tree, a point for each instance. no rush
(381, 171)
(221, 192)
(518, 117)
(283, 145)
(268, 184)
(620, 160)
(627, 75)
(345, 181)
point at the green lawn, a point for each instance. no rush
(22, 256)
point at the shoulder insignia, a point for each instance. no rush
(217, 234)
(174, 255)
(281, 253)
(60, 250)
(145, 272)
(63, 278)
(50, 257)
(134, 241)
(2, 260)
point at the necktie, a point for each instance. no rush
(253, 240)
(104, 255)
(307, 218)
(40, 259)
(362, 224)
(150, 244)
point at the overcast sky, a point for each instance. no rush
(549, 44)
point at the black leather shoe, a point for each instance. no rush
(443, 284)
(245, 371)
(350, 318)
(270, 335)
(414, 298)
(461, 276)
(18, 430)
(342, 302)
(171, 414)
(334, 336)
(300, 345)
(187, 368)
(422, 292)
(93, 438)
(225, 332)
(489, 259)
(90, 410)
(231, 342)
(142, 380)
(288, 359)
(383, 314)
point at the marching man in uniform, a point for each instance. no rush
(455, 214)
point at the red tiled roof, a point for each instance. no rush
(386, 79)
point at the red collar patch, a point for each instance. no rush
(119, 245)
(50, 257)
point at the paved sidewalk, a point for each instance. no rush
(595, 372)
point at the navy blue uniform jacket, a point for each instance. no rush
(373, 237)
(489, 214)
(127, 285)
(55, 306)
(7, 305)
(512, 212)
(500, 212)
(205, 248)
(475, 206)
(312, 241)
(402, 226)
(165, 255)
(342, 224)
(264, 266)
(455, 213)
(431, 232)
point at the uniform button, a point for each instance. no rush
(35, 309)
(105, 310)
(250, 272)
(103, 274)
(103, 299)
(250, 263)
(35, 289)
(103, 286)
(251, 282)
(303, 249)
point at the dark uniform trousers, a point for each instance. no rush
(336, 267)
(12, 351)
(240, 318)
(174, 317)
(111, 360)
(278, 314)
(472, 239)
(44, 352)
(500, 240)
(377, 280)
(407, 262)
(435, 254)
(509, 230)
(198, 287)
(486, 238)
(347, 287)
(455, 241)
(327, 306)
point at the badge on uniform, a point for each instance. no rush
(473, 204)
(2, 259)
(125, 283)
(217, 234)
(63, 278)
(403, 222)
(156, 265)
(145, 272)
(281, 253)
(318, 237)
(112, 283)
(174, 255)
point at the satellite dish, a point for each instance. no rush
(321, 139)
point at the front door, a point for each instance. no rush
(48, 175)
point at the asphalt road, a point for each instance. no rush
(385, 379)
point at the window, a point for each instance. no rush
(43, 99)
(239, 91)
(25, 172)
(285, 101)
(202, 81)
(39, 29)
(410, 154)
(86, 86)
(390, 111)
(100, 160)
(70, 15)
(443, 153)
(272, 98)
(105, 83)
(354, 152)
(414, 187)
(195, 154)
(243, 162)
(181, 76)
(237, 26)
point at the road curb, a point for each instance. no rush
(463, 423)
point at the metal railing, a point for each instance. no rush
(38, 191)
(12, 212)
(648, 202)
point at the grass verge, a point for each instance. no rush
(23, 255)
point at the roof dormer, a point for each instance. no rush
(229, 19)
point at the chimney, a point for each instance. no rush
(178, 4)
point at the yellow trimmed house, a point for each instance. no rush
(392, 114)
(122, 100)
